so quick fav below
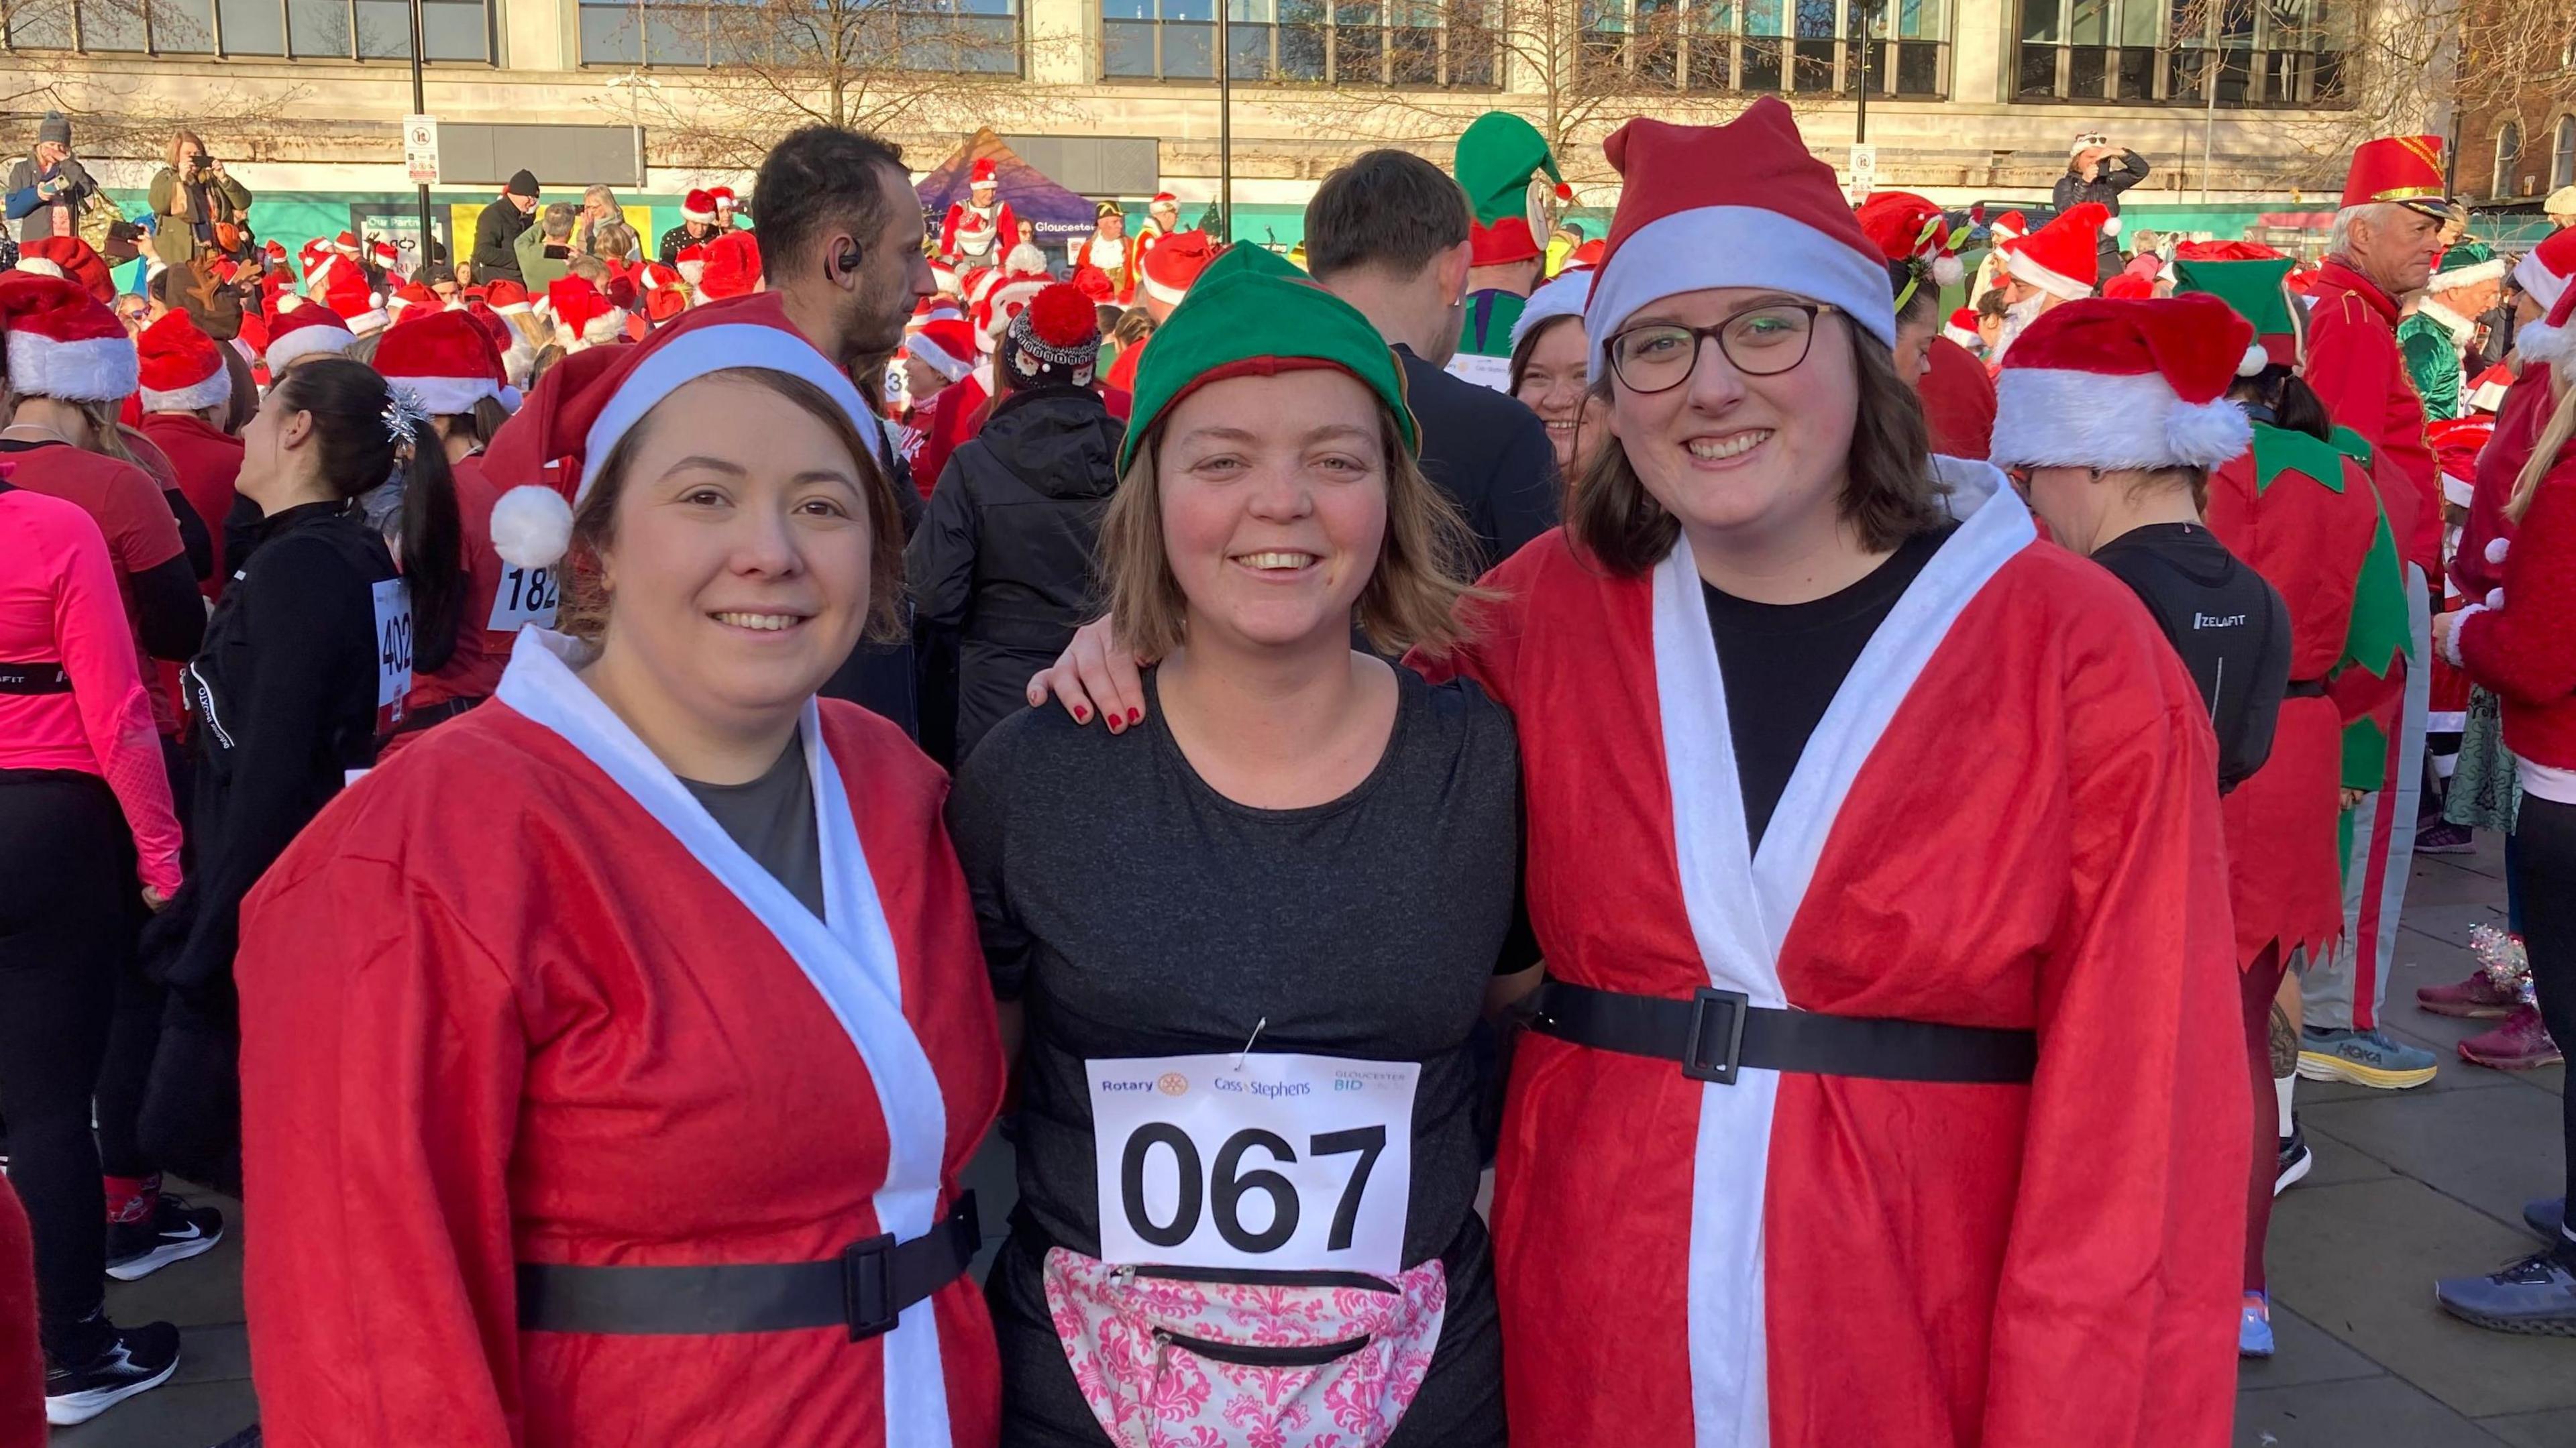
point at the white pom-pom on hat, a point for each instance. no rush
(2495, 598)
(2497, 548)
(1947, 271)
(2111, 226)
(531, 527)
(2207, 434)
(2254, 361)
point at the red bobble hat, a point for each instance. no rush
(307, 332)
(62, 342)
(946, 346)
(180, 369)
(1174, 263)
(2109, 384)
(732, 267)
(1738, 205)
(447, 360)
(698, 206)
(72, 259)
(1054, 341)
(2544, 271)
(2063, 258)
(531, 526)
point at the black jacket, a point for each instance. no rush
(284, 693)
(495, 232)
(1489, 453)
(2118, 174)
(1004, 556)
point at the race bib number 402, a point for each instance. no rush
(393, 641)
(1280, 1162)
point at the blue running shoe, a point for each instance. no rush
(2254, 1327)
(2535, 1296)
(2364, 1058)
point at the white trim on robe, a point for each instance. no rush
(1741, 902)
(850, 962)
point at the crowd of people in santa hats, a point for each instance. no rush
(634, 774)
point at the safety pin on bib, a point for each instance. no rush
(1248, 1040)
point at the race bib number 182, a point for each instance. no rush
(1280, 1161)
(526, 596)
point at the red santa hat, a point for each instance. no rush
(2551, 341)
(1738, 205)
(506, 297)
(72, 259)
(1962, 328)
(180, 368)
(946, 347)
(583, 316)
(2104, 384)
(307, 332)
(2011, 226)
(732, 268)
(384, 254)
(1907, 228)
(700, 207)
(2129, 287)
(1586, 257)
(723, 197)
(412, 301)
(1174, 263)
(2064, 257)
(343, 288)
(2486, 391)
(531, 526)
(346, 244)
(447, 360)
(664, 295)
(944, 280)
(982, 174)
(2546, 269)
(62, 342)
(1163, 199)
(692, 262)
(2456, 444)
(2225, 251)
(993, 315)
(1095, 284)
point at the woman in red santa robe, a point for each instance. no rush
(1852, 1172)
(646, 998)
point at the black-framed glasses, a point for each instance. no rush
(1762, 341)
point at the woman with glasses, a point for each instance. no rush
(1887, 1087)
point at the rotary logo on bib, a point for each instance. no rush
(1173, 1083)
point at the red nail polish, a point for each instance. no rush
(1135, 716)
(1081, 715)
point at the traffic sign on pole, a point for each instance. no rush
(1864, 170)
(420, 149)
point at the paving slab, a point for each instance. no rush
(2337, 1161)
(2359, 1261)
(2370, 1413)
(214, 1355)
(2555, 1429)
(2452, 880)
(2494, 1150)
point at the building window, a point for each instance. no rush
(951, 36)
(452, 31)
(2562, 154)
(2174, 52)
(2508, 157)
(1410, 43)
(1817, 47)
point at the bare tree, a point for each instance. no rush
(2420, 63)
(902, 66)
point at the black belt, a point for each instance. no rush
(34, 678)
(438, 713)
(2305, 689)
(866, 1288)
(1716, 1032)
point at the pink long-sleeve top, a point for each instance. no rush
(59, 605)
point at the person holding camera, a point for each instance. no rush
(198, 208)
(47, 189)
(2097, 170)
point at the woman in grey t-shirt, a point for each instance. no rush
(1248, 940)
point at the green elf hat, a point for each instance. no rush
(2465, 263)
(1499, 159)
(1251, 314)
(2258, 292)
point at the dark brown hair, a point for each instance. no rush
(1889, 493)
(1388, 209)
(594, 522)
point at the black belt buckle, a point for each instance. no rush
(1715, 1047)
(867, 1287)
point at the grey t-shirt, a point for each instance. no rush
(772, 818)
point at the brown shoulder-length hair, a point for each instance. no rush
(594, 524)
(184, 138)
(1412, 596)
(1889, 493)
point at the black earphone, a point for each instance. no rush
(848, 261)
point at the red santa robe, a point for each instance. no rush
(2517, 431)
(22, 1368)
(498, 600)
(978, 235)
(2308, 536)
(2005, 819)
(519, 990)
(208, 462)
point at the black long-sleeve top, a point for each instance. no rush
(1489, 453)
(285, 697)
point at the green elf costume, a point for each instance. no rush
(1500, 158)
(2436, 339)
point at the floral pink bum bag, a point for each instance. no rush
(1204, 1358)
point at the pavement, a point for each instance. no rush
(2408, 1186)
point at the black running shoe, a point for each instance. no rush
(137, 1360)
(177, 1232)
(2296, 1159)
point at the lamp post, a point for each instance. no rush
(1224, 122)
(1870, 10)
(420, 107)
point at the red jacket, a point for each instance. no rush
(2354, 364)
(2526, 650)
(2517, 431)
(208, 462)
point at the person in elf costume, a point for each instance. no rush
(2306, 517)
(1499, 161)
(2442, 330)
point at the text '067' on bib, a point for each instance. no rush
(1277, 1162)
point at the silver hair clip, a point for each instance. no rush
(404, 416)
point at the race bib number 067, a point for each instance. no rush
(1280, 1162)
